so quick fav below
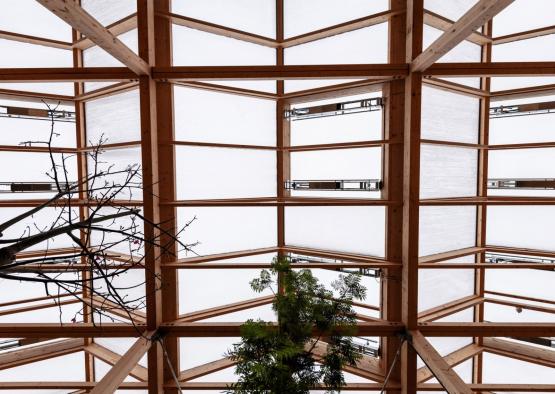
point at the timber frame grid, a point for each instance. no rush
(401, 80)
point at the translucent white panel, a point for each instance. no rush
(531, 50)
(124, 244)
(362, 126)
(203, 288)
(119, 162)
(302, 16)
(54, 314)
(524, 282)
(35, 168)
(362, 163)
(452, 9)
(238, 120)
(295, 85)
(224, 229)
(440, 286)
(447, 171)
(109, 11)
(345, 229)
(503, 83)
(368, 45)
(524, 15)
(64, 88)
(65, 368)
(30, 18)
(521, 226)
(449, 116)
(503, 313)
(254, 16)
(444, 228)
(224, 173)
(498, 369)
(466, 315)
(520, 129)
(18, 54)
(540, 163)
(196, 48)
(114, 118)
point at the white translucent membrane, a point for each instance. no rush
(120, 346)
(463, 52)
(367, 45)
(204, 173)
(506, 370)
(522, 129)
(452, 9)
(206, 116)
(18, 54)
(503, 313)
(521, 282)
(116, 161)
(523, 15)
(55, 314)
(361, 163)
(19, 130)
(303, 16)
(197, 48)
(505, 83)
(228, 229)
(362, 126)
(295, 85)
(30, 18)
(447, 171)
(107, 238)
(113, 118)
(64, 368)
(440, 286)
(109, 11)
(522, 163)
(448, 116)
(445, 228)
(531, 50)
(33, 168)
(253, 16)
(344, 229)
(521, 226)
(98, 57)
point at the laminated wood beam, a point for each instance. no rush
(520, 351)
(452, 383)
(40, 352)
(494, 69)
(72, 13)
(474, 18)
(486, 329)
(206, 369)
(7, 35)
(118, 27)
(452, 359)
(138, 372)
(68, 74)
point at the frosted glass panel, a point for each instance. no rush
(449, 116)
(452, 9)
(503, 313)
(345, 229)
(109, 11)
(18, 54)
(33, 168)
(226, 229)
(447, 171)
(502, 369)
(196, 48)
(524, 15)
(30, 18)
(363, 126)
(64, 88)
(64, 368)
(362, 163)
(205, 116)
(524, 282)
(503, 83)
(302, 16)
(446, 228)
(531, 50)
(437, 286)
(368, 45)
(116, 118)
(521, 226)
(224, 173)
(254, 16)
(540, 163)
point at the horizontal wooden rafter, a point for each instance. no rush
(494, 69)
(36, 97)
(486, 329)
(520, 93)
(454, 87)
(227, 89)
(205, 369)
(39, 352)
(524, 35)
(437, 257)
(68, 74)
(520, 351)
(47, 42)
(116, 28)
(225, 309)
(138, 372)
(442, 23)
(452, 359)
(449, 308)
(106, 91)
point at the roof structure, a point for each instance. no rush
(409, 140)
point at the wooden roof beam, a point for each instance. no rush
(486, 329)
(40, 352)
(138, 372)
(114, 378)
(83, 22)
(452, 383)
(474, 18)
(520, 351)
(452, 359)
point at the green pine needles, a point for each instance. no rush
(280, 359)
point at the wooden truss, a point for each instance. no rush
(401, 79)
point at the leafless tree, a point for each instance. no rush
(107, 236)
